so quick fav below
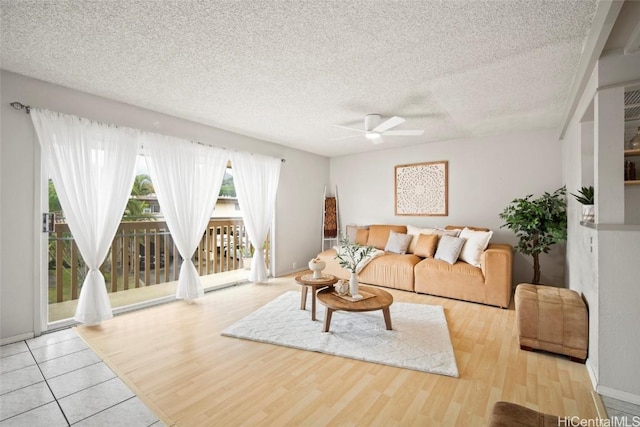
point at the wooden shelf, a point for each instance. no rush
(633, 152)
(634, 182)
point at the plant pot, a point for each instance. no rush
(588, 213)
(246, 263)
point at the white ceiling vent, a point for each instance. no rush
(632, 105)
(631, 114)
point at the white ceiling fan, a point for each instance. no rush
(374, 129)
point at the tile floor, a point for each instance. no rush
(57, 380)
(624, 413)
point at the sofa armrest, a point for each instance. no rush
(496, 263)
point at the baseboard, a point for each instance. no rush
(286, 273)
(21, 337)
(619, 395)
(592, 374)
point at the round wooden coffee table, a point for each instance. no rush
(307, 281)
(381, 301)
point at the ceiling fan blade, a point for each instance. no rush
(347, 127)
(344, 137)
(404, 132)
(389, 123)
(377, 140)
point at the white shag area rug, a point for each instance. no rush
(419, 340)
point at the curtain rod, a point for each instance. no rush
(27, 109)
(19, 106)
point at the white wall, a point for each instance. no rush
(485, 174)
(298, 210)
(603, 259)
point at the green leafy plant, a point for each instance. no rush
(585, 195)
(246, 252)
(538, 223)
(351, 254)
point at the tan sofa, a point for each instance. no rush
(488, 284)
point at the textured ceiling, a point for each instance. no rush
(285, 71)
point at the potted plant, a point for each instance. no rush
(349, 255)
(247, 256)
(538, 223)
(585, 196)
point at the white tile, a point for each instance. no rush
(15, 348)
(47, 415)
(16, 361)
(20, 378)
(24, 399)
(88, 402)
(130, 413)
(80, 379)
(52, 338)
(62, 365)
(58, 349)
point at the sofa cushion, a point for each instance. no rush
(416, 232)
(352, 232)
(449, 249)
(426, 245)
(475, 243)
(362, 235)
(460, 280)
(379, 234)
(391, 270)
(398, 243)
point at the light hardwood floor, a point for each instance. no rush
(175, 359)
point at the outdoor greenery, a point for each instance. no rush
(585, 195)
(246, 252)
(538, 223)
(227, 189)
(135, 209)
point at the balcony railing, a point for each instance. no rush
(143, 254)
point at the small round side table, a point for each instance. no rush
(307, 281)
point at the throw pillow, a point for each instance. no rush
(443, 232)
(352, 232)
(449, 248)
(398, 242)
(427, 245)
(475, 243)
(415, 232)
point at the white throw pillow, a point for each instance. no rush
(449, 248)
(443, 232)
(398, 242)
(416, 232)
(475, 243)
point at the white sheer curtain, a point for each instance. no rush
(92, 167)
(187, 178)
(256, 180)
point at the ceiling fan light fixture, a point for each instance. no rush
(372, 135)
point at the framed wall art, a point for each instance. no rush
(422, 189)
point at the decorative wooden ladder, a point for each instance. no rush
(330, 220)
